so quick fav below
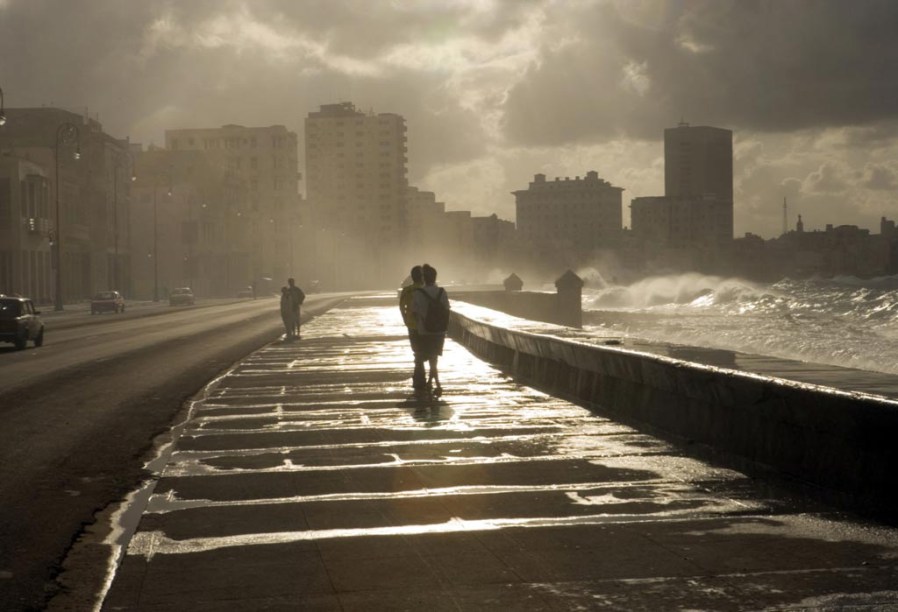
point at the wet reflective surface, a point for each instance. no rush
(308, 478)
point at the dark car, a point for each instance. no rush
(107, 301)
(19, 322)
(182, 296)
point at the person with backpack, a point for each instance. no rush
(431, 308)
(411, 323)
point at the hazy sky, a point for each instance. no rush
(494, 91)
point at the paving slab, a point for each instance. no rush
(307, 478)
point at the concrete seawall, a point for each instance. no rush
(533, 305)
(843, 442)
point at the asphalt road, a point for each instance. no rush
(78, 417)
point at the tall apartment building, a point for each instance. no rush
(265, 160)
(698, 164)
(577, 215)
(90, 226)
(698, 161)
(356, 182)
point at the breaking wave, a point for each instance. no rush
(842, 321)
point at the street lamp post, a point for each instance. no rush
(155, 245)
(156, 234)
(115, 259)
(2, 113)
(115, 224)
(64, 133)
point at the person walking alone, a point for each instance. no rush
(287, 314)
(431, 308)
(406, 296)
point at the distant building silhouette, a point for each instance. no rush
(680, 222)
(26, 213)
(193, 215)
(697, 207)
(579, 215)
(425, 218)
(495, 241)
(94, 205)
(843, 250)
(356, 184)
(265, 160)
(698, 161)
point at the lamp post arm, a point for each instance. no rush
(65, 132)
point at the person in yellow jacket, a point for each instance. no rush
(406, 296)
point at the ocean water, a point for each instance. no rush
(843, 321)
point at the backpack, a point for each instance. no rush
(436, 320)
(297, 297)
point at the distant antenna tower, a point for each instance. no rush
(785, 216)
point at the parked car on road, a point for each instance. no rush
(246, 292)
(107, 301)
(19, 322)
(182, 296)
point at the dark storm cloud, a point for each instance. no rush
(363, 27)
(148, 65)
(504, 87)
(748, 64)
(880, 177)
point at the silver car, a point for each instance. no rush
(182, 296)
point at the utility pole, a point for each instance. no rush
(785, 217)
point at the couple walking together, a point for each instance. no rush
(292, 298)
(425, 309)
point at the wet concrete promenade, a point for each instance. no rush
(306, 479)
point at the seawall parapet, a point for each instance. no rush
(841, 441)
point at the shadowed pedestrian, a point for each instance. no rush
(406, 297)
(297, 297)
(431, 308)
(287, 314)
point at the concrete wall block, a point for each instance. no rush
(532, 305)
(659, 375)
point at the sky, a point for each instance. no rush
(495, 91)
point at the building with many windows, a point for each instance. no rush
(575, 216)
(87, 172)
(680, 222)
(24, 230)
(192, 226)
(264, 159)
(356, 182)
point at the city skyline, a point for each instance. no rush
(494, 92)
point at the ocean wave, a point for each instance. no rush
(842, 321)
